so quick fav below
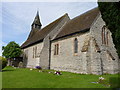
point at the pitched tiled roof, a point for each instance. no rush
(40, 34)
(79, 23)
(32, 32)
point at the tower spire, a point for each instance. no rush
(36, 23)
(37, 13)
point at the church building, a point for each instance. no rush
(81, 45)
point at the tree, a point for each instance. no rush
(3, 62)
(12, 50)
(111, 15)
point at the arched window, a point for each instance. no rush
(75, 45)
(35, 25)
(56, 50)
(33, 52)
(103, 35)
(107, 37)
(36, 51)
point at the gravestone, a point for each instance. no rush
(20, 65)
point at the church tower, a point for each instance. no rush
(36, 25)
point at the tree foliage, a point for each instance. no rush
(3, 62)
(11, 50)
(111, 15)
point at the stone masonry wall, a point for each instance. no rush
(98, 59)
(101, 61)
(93, 57)
(45, 53)
(67, 60)
(28, 55)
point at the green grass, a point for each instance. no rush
(25, 78)
(0, 80)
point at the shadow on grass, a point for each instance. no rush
(7, 70)
(114, 82)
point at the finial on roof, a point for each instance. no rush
(37, 13)
(66, 13)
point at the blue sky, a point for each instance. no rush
(16, 18)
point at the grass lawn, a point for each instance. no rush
(0, 80)
(26, 78)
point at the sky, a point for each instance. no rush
(16, 17)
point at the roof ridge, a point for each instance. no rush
(44, 30)
(66, 14)
(88, 11)
(79, 23)
(60, 18)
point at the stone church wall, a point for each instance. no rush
(67, 60)
(98, 59)
(105, 61)
(45, 53)
(30, 59)
(93, 56)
